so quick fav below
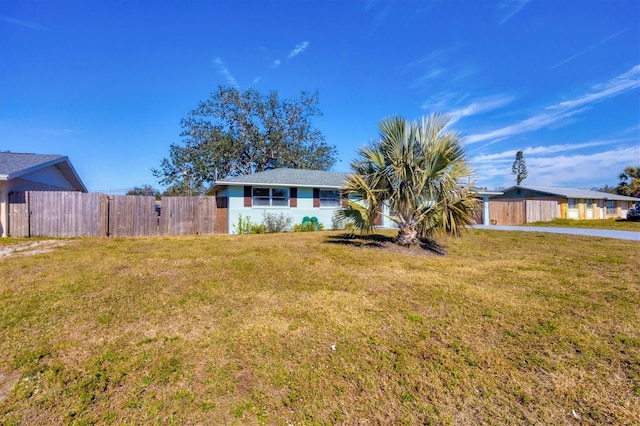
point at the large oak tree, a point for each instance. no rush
(237, 133)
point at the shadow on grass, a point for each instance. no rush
(385, 242)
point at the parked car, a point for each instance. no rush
(634, 213)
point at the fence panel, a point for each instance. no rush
(504, 212)
(541, 210)
(18, 215)
(74, 214)
(132, 216)
(189, 216)
(66, 214)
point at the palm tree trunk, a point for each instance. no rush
(407, 235)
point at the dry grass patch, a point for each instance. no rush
(506, 328)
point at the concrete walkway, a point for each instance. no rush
(621, 235)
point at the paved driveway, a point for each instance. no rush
(621, 235)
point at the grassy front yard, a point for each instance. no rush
(614, 224)
(311, 328)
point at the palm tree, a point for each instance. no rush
(415, 168)
(629, 182)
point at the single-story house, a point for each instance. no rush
(524, 204)
(33, 172)
(298, 194)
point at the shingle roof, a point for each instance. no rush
(14, 165)
(576, 193)
(288, 177)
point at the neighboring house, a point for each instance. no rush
(484, 212)
(524, 204)
(33, 172)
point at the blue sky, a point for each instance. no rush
(107, 82)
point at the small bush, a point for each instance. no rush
(258, 228)
(246, 226)
(277, 222)
(307, 227)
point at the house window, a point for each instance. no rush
(572, 203)
(611, 208)
(329, 198)
(270, 197)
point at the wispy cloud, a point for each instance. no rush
(510, 8)
(431, 66)
(623, 83)
(563, 110)
(381, 12)
(480, 106)
(509, 155)
(441, 67)
(276, 63)
(527, 125)
(300, 47)
(224, 72)
(582, 52)
(30, 25)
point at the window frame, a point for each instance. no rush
(276, 196)
(330, 201)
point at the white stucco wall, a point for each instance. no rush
(304, 209)
(256, 213)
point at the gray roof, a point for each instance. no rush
(14, 165)
(288, 177)
(576, 193)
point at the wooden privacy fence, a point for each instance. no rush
(518, 211)
(541, 210)
(75, 214)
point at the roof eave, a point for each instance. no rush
(67, 170)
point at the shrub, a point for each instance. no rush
(277, 222)
(246, 226)
(307, 227)
(258, 228)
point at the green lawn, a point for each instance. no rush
(313, 328)
(614, 224)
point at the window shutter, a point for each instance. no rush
(316, 197)
(293, 197)
(247, 196)
(378, 220)
(345, 199)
